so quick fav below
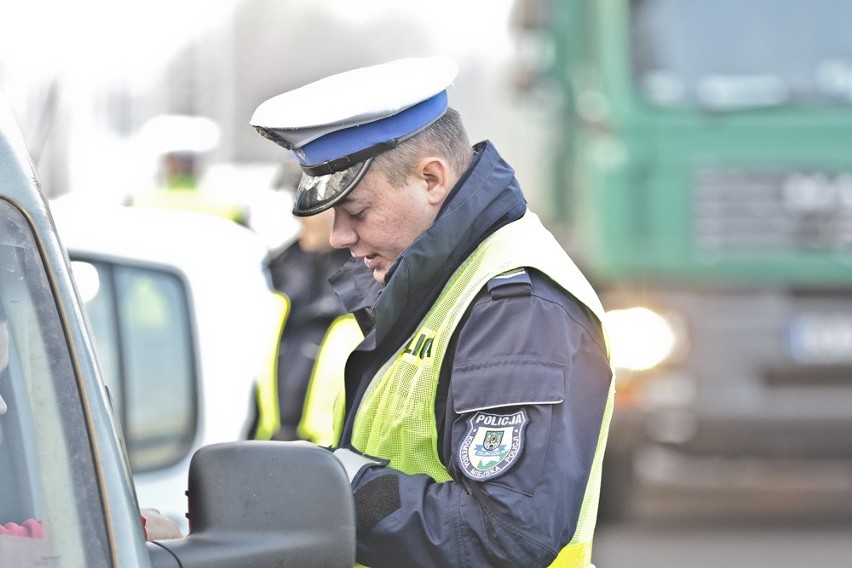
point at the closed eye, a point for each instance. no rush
(359, 215)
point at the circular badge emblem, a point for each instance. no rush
(492, 444)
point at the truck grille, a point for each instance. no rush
(809, 376)
(767, 211)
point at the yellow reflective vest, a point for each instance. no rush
(322, 417)
(396, 418)
(268, 416)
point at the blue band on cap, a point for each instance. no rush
(355, 138)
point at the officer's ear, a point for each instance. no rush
(438, 177)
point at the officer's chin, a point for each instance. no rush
(379, 267)
(379, 274)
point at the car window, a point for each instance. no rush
(50, 507)
(144, 340)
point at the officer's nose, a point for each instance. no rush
(342, 235)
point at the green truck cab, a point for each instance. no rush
(63, 465)
(702, 178)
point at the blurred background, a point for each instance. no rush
(84, 80)
(694, 157)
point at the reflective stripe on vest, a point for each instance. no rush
(322, 416)
(396, 418)
(268, 415)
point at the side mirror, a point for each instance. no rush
(264, 504)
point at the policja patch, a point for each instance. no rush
(492, 444)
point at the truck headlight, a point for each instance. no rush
(640, 338)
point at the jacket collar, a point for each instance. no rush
(485, 198)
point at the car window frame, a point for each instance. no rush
(49, 401)
(119, 384)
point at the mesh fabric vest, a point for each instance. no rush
(396, 418)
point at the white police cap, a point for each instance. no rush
(335, 126)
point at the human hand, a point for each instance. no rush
(158, 527)
(29, 528)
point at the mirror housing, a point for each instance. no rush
(256, 503)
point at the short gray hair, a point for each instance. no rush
(446, 138)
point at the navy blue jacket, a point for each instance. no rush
(525, 329)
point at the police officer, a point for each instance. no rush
(300, 272)
(182, 145)
(477, 406)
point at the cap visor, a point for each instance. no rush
(318, 193)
